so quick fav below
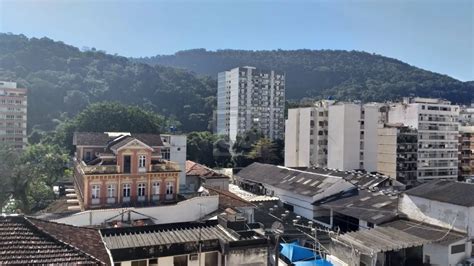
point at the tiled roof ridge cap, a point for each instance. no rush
(44, 231)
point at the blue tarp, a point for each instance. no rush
(295, 252)
(313, 263)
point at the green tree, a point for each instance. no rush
(243, 146)
(264, 151)
(108, 117)
(200, 148)
(9, 159)
(221, 152)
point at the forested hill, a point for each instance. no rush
(327, 73)
(62, 80)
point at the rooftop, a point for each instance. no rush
(25, 240)
(317, 183)
(156, 235)
(374, 207)
(196, 169)
(458, 193)
(397, 235)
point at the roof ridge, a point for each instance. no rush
(44, 231)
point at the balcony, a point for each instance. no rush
(98, 169)
(157, 166)
(164, 166)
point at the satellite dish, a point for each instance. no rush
(277, 227)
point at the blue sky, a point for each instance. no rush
(436, 35)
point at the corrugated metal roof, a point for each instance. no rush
(156, 235)
(458, 193)
(397, 235)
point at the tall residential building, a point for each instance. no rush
(306, 136)
(437, 124)
(466, 115)
(250, 98)
(352, 135)
(13, 109)
(466, 152)
(397, 152)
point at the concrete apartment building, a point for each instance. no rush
(250, 98)
(397, 152)
(466, 115)
(306, 136)
(437, 124)
(466, 152)
(13, 110)
(352, 135)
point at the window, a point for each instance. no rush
(139, 263)
(156, 188)
(95, 191)
(165, 153)
(180, 260)
(141, 189)
(111, 191)
(141, 161)
(458, 248)
(126, 190)
(211, 259)
(169, 188)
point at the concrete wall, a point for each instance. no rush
(387, 151)
(254, 257)
(184, 211)
(297, 137)
(371, 124)
(344, 136)
(178, 155)
(438, 213)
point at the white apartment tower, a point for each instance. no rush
(352, 135)
(438, 128)
(13, 109)
(306, 136)
(250, 98)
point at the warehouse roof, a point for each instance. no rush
(155, 235)
(458, 193)
(317, 183)
(397, 235)
(374, 207)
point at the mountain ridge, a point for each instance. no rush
(339, 74)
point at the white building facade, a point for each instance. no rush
(306, 136)
(438, 128)
(174, 149)
(250, 98)
(352, 135)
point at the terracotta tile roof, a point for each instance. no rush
(32, 241)
(228, 199)
(86, 239)
(195, 169)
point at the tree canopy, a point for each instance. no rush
(108, 117)
(62, 80)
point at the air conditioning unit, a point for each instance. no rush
(193, 256)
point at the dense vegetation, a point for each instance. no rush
(326, 73)
(103, 117)
(62, 80)
(27, 177)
